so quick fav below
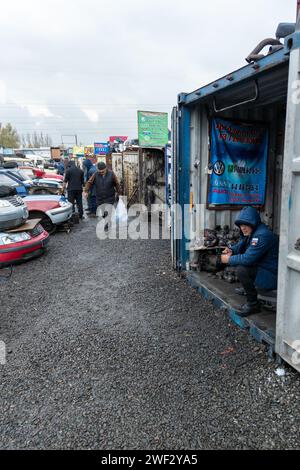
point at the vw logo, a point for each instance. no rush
(219, 168)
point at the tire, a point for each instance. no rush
(45, 221)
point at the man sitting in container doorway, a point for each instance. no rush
(256, 258)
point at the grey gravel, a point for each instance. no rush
(108, 348)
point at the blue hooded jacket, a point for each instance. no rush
(260, 249)
(87, 164)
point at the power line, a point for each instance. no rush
(85, 104)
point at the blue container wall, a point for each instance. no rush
(183, 180)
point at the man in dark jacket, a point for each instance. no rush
(256, 258)
(106, 186)
(74, 181)
(105, 183)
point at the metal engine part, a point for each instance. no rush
(221, 236)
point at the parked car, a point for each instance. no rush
(49, 165)
(52, 210)
(16, 247)
(27, 186)
(8, 180)
(46, 186)
(31, 156)
(13, 210)
(41, 174)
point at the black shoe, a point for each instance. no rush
(240, 291)
(249, 308)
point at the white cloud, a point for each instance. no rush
(39, 110)
(91, 114)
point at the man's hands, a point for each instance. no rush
(85, 194)
(225, 257)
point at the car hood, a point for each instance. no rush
(43, 197)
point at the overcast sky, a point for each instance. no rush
(85, 66)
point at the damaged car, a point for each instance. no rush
(51, 210)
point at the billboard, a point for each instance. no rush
(152, 129)
(117, 139)
(238, 162)
(89, 151)
(101, 148)
(79, 151)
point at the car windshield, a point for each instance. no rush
(7, 181)
(18, 174)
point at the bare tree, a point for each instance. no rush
(36, 140)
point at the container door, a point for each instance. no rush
(174, 241)
(288, 314)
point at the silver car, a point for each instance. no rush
(13, 212)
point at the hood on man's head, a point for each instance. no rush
(87, 163)
(248, 216)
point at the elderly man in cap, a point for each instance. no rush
(107, 188)
(256, 258)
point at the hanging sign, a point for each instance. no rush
(152, 129)
(101, 148)
(238, 163)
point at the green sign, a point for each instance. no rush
(152, 129)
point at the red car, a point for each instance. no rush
(18, 246)
(41, 174)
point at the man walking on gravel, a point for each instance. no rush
(107, 188)
(74, 181)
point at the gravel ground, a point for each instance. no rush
(107, 348)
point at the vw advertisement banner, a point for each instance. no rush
(238, 162)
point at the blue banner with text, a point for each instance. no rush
(238, 162)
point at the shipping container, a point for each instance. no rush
(265, 94)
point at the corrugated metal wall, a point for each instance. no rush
(131, 172)
(116, 164)
(274, 115)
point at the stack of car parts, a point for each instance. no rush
(221, 236)
(214, 243)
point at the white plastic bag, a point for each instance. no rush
(121, 215)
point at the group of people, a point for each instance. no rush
(96, 182)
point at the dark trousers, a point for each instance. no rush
(92, 204)
(76, 197)
(247, 276)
